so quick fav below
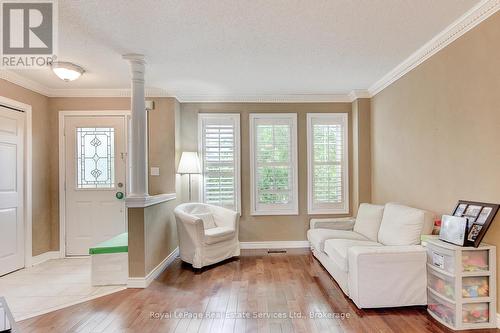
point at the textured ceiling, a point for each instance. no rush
(245, 47)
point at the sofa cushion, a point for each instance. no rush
(317, 237)
(218, 234)
(403, 225)
(336, 249)
(368, 220)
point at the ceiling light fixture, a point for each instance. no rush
(67, 71)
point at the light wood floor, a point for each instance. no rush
(257, 283)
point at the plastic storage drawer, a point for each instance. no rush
(475, 286)
(441, 258)
(442, 284)
(475, 261)
(475, 313)
(441, 308)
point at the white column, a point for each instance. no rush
(138, 150)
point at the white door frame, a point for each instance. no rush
(62, 164)
(28, 245)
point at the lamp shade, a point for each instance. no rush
(189, 163)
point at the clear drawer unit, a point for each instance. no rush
(461, 285)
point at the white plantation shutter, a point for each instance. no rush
(219, 147)
(327, 159)
(273, 158)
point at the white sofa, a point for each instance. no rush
(376, 258)
(207, 234)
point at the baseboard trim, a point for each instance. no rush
(498, 320)
(274, 245)
(36, 260)
(144, 282)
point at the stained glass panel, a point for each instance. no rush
(95, 157)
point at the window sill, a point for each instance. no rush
(327, 211)
(274, 213)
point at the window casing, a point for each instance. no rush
(219, 150)
(327, 163)
(273, 164)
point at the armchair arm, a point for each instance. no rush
(187, 218)
(190, 228)
(387, 276)
(341, 223)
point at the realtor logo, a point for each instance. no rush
(28, 33)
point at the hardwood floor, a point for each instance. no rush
(257, 283)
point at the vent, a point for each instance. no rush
(276, 251)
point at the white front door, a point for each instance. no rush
(11, 190)
(95, 159)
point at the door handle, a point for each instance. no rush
(119, 195)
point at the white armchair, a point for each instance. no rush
(207, 234)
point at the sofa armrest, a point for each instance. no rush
(387, 276)
(341, 223)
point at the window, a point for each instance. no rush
(219, 148)
(327, 163)
(95, 167)
(273, 164)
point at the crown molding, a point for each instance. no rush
(150, 92)
(466, 22)
(271, 98)
(24, 82)
(355, 94)
(19, 80)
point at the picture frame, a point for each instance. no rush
(453, 230)
(479, 217)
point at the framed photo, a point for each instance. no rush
(474, 232)
(479, 216)
(483, 216)
(460, 210)
(473, 210)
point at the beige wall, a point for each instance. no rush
(136, 247)
(152, 236)
(361, 153)
(42, 150)
(160, 233)
(263, 228)
(436, 131)
(161, 122)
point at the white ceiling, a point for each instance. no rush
(252, 47)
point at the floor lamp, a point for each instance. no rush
(190, 165)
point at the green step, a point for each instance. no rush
(117, 244)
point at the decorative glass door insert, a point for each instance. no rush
(95, 157)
